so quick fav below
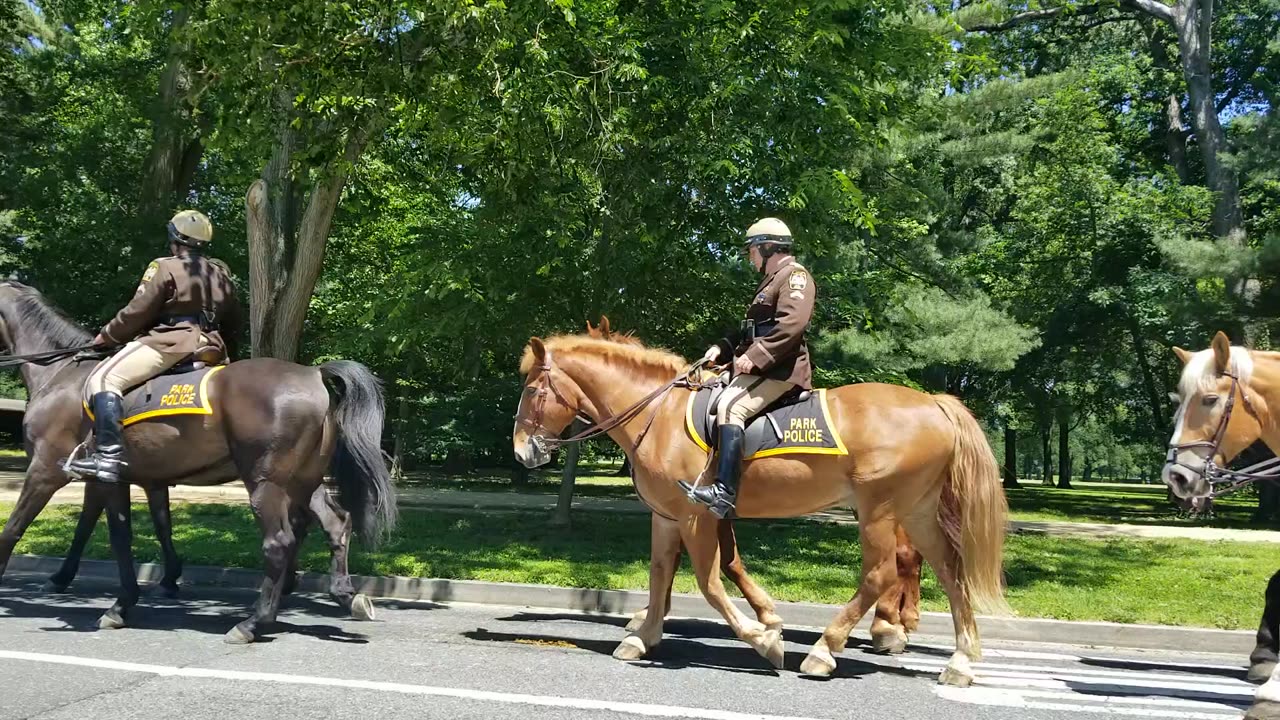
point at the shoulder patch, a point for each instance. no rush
(799, 280)
(150, 272)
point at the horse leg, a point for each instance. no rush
(301, 525)
(664, 541)
(897, 612)
(879, 570)
(42, 481)
(337, 527)
(1263, 659)
(701, 538)
(274, 510)
(120, 527)
(759, 600)
(925, 529)
(158, 503)
(90, 511)
(1266, 702)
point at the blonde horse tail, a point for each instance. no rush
(973, 512)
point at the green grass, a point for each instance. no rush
(1173, 582)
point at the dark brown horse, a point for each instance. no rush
(276, 425)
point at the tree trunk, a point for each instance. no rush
(279, 296)
(1010, 457)
(1192, 19)
(561, 516)
(1088, 466)
(169, 122)
(1144, 367)
(1064, 450)
(1046, 453)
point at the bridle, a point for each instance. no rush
(1226, 479)
(544, 387)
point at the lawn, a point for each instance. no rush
(1175, 582)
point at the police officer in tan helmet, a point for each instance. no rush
(772, 358)
(184, 305)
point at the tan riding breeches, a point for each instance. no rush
(746, 396)
(133, 365)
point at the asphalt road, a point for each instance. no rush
(421, 660)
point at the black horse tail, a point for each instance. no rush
(359, 464)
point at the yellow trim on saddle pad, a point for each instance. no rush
(839, 449)
(205, 408)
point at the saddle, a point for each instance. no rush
(179, 390)
(796, 423)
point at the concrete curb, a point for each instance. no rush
(623, 602)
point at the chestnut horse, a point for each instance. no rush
(1225, 397)
(897, 612)
(914, 458)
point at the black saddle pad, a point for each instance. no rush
(172, 393)
(802, 427)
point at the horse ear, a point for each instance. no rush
(604, 326)
(1222, 352)
(539, 349)
(1175, 398)
(1183, 355)
(590, 330)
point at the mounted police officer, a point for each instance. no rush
(180, 311)
(772, 357)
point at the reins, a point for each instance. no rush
(1229, 480)
(43, 358)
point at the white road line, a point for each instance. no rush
(1065, 680)
(990, 696)
(1033, 655)
(1129, 674)
(481, 695)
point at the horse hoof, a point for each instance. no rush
(772, 648)
(50, 586)
(819, 663)
(110, 620)
(637, 620)
(1260, 672)
(631, 648)
(168, 591)
(889, 643)
(361, 607)
(1263, 710)
(956, 677)
(237, 636)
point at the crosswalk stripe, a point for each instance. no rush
(1131, 674)
(989, 696)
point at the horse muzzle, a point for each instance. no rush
(534, 453)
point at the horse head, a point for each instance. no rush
(1218, 416)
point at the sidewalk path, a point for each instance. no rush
(427, 497)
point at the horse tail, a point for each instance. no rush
(973, 512)
(359, 464)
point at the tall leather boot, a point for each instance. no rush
(107, 459)
(722, 496)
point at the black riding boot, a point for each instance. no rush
(108, 456)
(722, 496)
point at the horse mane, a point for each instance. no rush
(44, 321)
(645, 362)
(1200, 374)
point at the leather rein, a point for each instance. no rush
(1222, 480)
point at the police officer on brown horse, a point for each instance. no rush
(772, 357)
(181, 310)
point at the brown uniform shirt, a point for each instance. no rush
(174, 294)
(781, 310)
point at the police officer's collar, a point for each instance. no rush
(777, 262)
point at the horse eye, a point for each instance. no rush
(529, 390)
(1210, 400)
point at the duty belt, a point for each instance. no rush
(199, 320)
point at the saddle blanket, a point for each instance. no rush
(181, 393)
(802, 427)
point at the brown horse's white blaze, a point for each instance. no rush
(915, 459)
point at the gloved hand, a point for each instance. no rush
(711, 355)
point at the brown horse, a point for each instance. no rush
(276, 425)
(1225, 398)
(913, 458)
(897, 612)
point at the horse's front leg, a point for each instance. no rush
(95, 500)
(664, 540)
(43, 479)
(120, 525)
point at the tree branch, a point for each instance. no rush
(1149, 7)
(1252, 65)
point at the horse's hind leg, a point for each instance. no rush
(158, 503)
(94, 502)
(337, 527)
(664, 553)
(923, 525)
(274, 510)
(301, 525)
(898, 611)
(879, 571)
(120, 527)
